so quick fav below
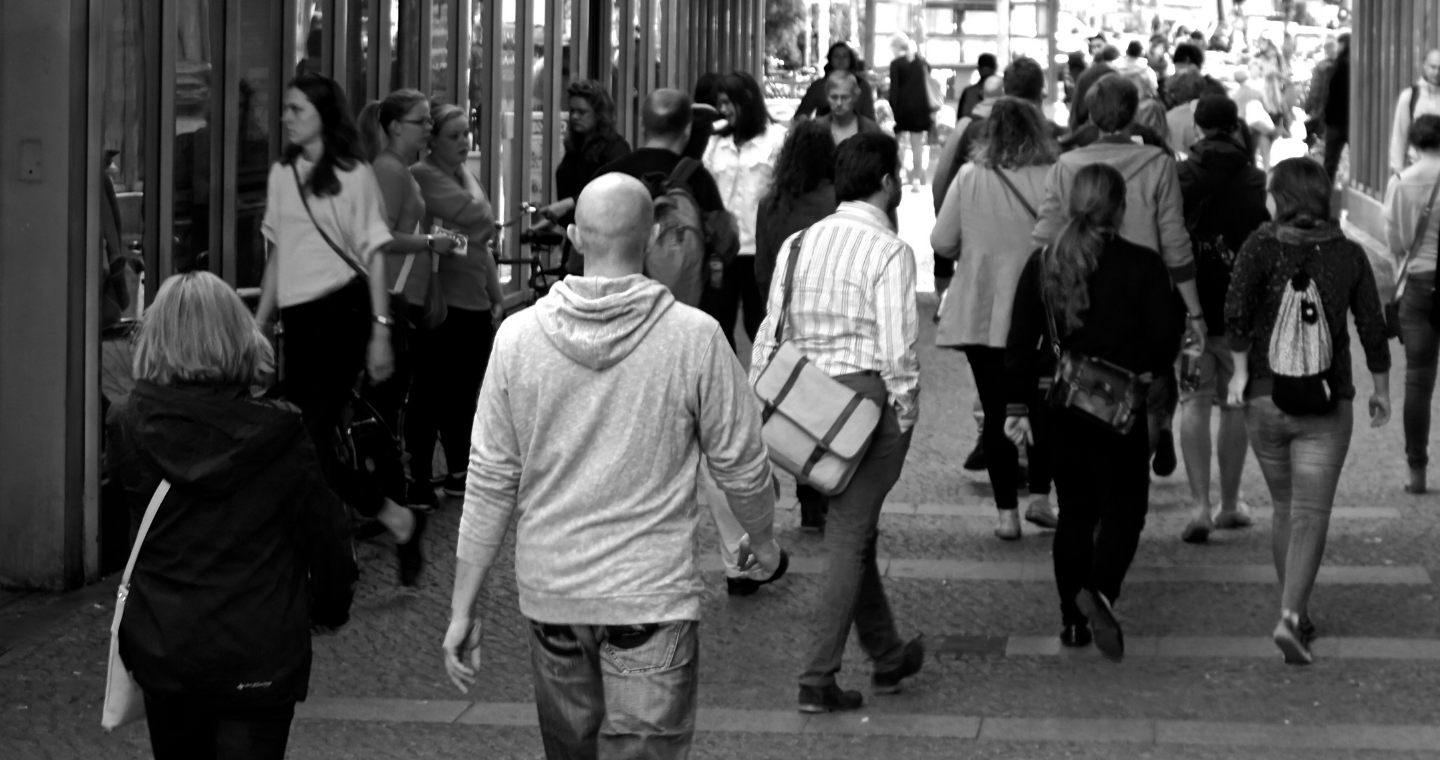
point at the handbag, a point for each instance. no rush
(815, 427)
(1093, 389)
(399, 304)
(1392, 307)
(124, 701)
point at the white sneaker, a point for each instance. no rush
(1008, 526)
(1041, 513)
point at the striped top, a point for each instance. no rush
(853, 304)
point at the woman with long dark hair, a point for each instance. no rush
(840, 57)
(1102, 297)
(393, 132)
(246, 551)
(590, 142)
(1301, 451)
(803, 193)
(337, 323)
(741, 157)
(449, 362)
(985, 225)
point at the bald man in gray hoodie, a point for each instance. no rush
(597, 405)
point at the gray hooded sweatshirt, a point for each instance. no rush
(596, 407)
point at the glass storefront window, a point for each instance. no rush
(123, 129)
(357, 47)
(193, 108)
(440, 42)
(404, 44)
(256, 86)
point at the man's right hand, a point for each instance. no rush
(764, 559)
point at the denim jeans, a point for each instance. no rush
(616, 691)
(184, 728)
(1422, 349)
(853, 593)
(1301, 459)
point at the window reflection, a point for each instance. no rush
(440, 42)
(357, 47)
(192, 135)
(254, 119)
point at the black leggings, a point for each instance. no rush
(1103, 479)
(183, 729)
(324, 347)
(738, 290)
(448, 366)
(1002, 459)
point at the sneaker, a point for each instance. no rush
(812, 515)
(1041, 513)
(408, 555)
(1164, 463)
(889, 682)
(454, 486)
(976, 461)
(1239, 517)
(1008, 526)
(420, 496)
(1307, 630)
(1076, 635)
(1197, 531)
(747, 586)
(1108, 637)
(1287, 637)
(815, 699)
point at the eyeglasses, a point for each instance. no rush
(425, 122)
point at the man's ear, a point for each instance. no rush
(573, 232)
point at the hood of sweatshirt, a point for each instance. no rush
(597, 321)
(1131, 158)
(1214, 162)
(210, 438)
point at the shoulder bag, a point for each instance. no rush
(1018, 196)
(1095, 390)
(815, 427)
(1392, 307)
(399, 304)
(124, 701)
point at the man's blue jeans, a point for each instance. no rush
(616, 691)
(853, 592)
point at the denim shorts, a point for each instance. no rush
(1217, 366)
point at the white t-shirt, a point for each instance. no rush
(743, 174)
(354, 219)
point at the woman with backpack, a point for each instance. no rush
(1293, 283)
(1103, 307)
(985, 225)
(326, 230)
(1412, 227)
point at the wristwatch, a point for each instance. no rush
(430, 242)
(1195, 317)
(384, 320)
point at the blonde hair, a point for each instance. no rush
(199, 331)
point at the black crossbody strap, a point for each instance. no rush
(300, 186)
(1016, 192)
(1050, 326)
(1420, 226)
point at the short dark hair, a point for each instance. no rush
(1301, 188)
(1025, 79)
(1112, 102)
(862, 163)
(986, 61)
(1134, 49)
(1187, 52)
(1184, 87)
(1217, 112)
(666, 113)
(1425, 132)
(1108, 54)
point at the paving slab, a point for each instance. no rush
(520, 714)
(1067, 730)
(383, 710)
(861, 724)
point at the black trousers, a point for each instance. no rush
(325, 342)
(739, 290)
(448, 365)
(1002, 459)
(1103, 480)
(1335, 138)
(183, 728)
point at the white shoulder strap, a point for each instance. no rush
(160, 492)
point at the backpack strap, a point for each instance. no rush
(1414, 100)
(684, 170)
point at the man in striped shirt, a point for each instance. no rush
(852, 313)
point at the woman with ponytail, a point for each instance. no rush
(1101, 297)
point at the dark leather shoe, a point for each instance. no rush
(976, 461)
(889, 682)
(1076, 635)
(1108, 637)
(812, 515)
(420, 496)
(408, 554)
(814, 699)
(1165, 462)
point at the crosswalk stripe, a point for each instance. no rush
(1040, 569)
(1143, 731)
(1241, 647)
(987, 511)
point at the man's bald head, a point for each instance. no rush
(993, 87)
(666, 114)
(613, 219)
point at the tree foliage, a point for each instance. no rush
(784, 23)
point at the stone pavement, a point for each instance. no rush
(1201, 681)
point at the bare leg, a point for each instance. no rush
(1195, 448)
(1234, 444)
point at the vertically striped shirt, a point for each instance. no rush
(853, 304)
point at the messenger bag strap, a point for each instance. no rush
(300, 186)
(160, 492)
(789, 291)
(784, 389)
(1016, 192)
(1420, 226)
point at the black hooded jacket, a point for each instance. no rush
(1224, 198)
(249, 547)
